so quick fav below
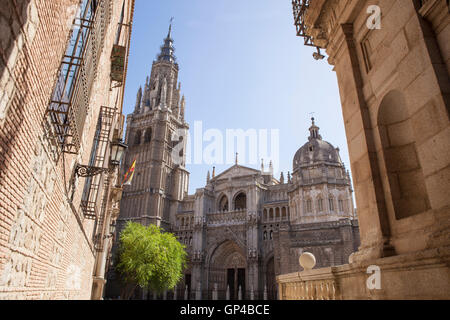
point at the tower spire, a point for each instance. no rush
(169, 35)
(167, 49)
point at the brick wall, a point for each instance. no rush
(45, 244)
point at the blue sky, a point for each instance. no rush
(241, 67)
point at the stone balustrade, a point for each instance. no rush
(309, 290)
(227, 217)
(309, 284)
(357, 281)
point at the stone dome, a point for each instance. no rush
(316, 150)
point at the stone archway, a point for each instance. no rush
(223, 203)
(240, 201)
(227, 268)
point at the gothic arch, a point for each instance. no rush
(137, 137)
(240, 200)
(223, 203)
(148, 135)
(227, 255)
(222, 243)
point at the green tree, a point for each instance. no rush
(149, 258)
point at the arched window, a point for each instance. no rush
(341, 205)
(240, 201)
(137, 137)
(271, 235)
(148, 135)
(265, 235)
(308, 206)
(331, 203)
(320, 204)
(223, 203)
(284, 213)
(404, 172)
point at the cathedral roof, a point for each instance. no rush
(316, 151)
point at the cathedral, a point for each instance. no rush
(245, 226)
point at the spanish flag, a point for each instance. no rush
(129, 175)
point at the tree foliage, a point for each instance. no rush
(150, 258)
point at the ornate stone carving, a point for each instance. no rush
(51, 278)
(73, 277)
(56, 254)
(25, 234)
(61, 232)
(17, 271)
(198, 256)
(252, 254)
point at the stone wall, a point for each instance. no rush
(394, 86)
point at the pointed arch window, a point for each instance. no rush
(137, 138)
(148, 135)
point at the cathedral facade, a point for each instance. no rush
(245, 226)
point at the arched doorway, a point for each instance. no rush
(270, 280)
(227, 271)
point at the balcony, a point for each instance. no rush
(227, 218)
(71, 95)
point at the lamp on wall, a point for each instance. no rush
(112, 227)
(317, 55)
(117, 150)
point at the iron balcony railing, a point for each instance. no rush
(70, 99)
(91, 191)
(300, 8)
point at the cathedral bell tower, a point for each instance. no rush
(157, 137)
